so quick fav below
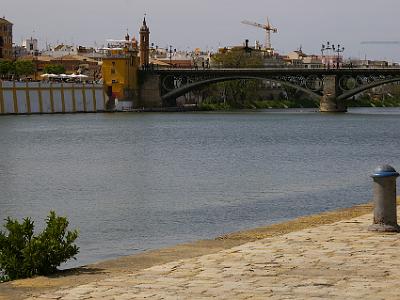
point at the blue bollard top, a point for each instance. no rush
(385, 171)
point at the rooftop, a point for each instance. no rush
(4, 21)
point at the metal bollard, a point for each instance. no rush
(385, 210)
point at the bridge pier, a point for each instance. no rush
(329, 101)
(150, 92)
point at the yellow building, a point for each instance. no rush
(120, 71)
(6, 49)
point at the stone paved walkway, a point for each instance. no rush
(337, 261)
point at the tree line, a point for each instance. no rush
(12, 70)
(16, 69)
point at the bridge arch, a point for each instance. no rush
(365, 87)
(192, 86)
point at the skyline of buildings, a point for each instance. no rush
(206, 25)
(164, 56)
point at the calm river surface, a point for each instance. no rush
(136, 181)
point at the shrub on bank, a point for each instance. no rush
(258, 104)
(207, 106)
(22, 254)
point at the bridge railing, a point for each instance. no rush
(299, 68)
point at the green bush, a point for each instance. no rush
(24, 67)
(54, 69)
(206, 106)
(22, 254)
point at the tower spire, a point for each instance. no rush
(144, 43)
(144, 25)
(127, 35)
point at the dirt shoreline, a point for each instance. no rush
(21, 289)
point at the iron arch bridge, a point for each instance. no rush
(331, 87)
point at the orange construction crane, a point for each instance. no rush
(268, 29)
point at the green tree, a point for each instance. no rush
(6, 68)
(24, 67)
(249, 93)
(237, 92)
(238, 58)
(54, 69)
(22, 254)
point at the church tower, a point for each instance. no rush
(144, 44)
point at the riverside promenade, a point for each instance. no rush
(339, 260)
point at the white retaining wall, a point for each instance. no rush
(39, 97)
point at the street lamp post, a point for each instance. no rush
(36, 54)
(170, 55)
(338, 50)
(324, 48)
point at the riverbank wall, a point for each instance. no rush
(46, 98)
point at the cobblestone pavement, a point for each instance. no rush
(337, 261)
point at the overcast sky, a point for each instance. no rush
(187, 24)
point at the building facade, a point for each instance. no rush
(31, 45)
(120, 70)
(61, 50)
(6, 43)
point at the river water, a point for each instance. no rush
(136, 181)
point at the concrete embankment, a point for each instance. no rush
(137, 264)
